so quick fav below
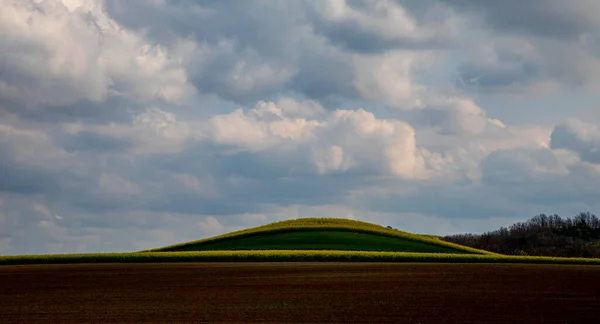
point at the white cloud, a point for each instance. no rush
(165, 121)
(358, 139)
(299, 109)
(56, 53)
(345, 140)
(230, 71)
(389, 78)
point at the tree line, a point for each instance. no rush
(542, 235)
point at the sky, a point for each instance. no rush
(133, 124)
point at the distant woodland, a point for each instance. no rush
(545, 235)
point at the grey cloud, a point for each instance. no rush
(29, 232)
(222, 74)
(515, 166)
(25, 180)
(578, 136)
(524, 65)
(245, 181)
(324, 77)
(99, 171)
(253, 34)
(540, 176)
(528, 47)
(251, 23)
(127, 160)
(547, 18)
(113, 109)
(34, 164)
(357, 32)
(467, 201)
(193, 205)
(515, 183)
(19, 177)
(453, 117)
(286, 46)
(90, 141)
(512, 74)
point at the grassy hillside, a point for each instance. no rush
(323, 234)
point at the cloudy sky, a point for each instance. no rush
(132, 124)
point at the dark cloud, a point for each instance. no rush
(246, 181)
(578, 136)
(113, 109)
(285, 46)
(547, 18)
(21, 177)
(91, 141)
(522, 47)
(510, 74)
(324, 78)
(25, 180)
(352, 35)
(260, 36)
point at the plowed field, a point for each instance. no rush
(299, 293)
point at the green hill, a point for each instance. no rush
(323, 234)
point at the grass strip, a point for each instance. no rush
(284, 256)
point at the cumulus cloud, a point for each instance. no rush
(56, 53)
(388, 78)
(359, 139)
(130, 124)
(345, 140)
(302, 53)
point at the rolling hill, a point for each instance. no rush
(323, 234)
(304, 240)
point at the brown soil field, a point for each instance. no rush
(299, 293)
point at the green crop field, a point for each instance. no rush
(323, 234)
(319, 240)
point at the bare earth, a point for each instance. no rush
(300, 293)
